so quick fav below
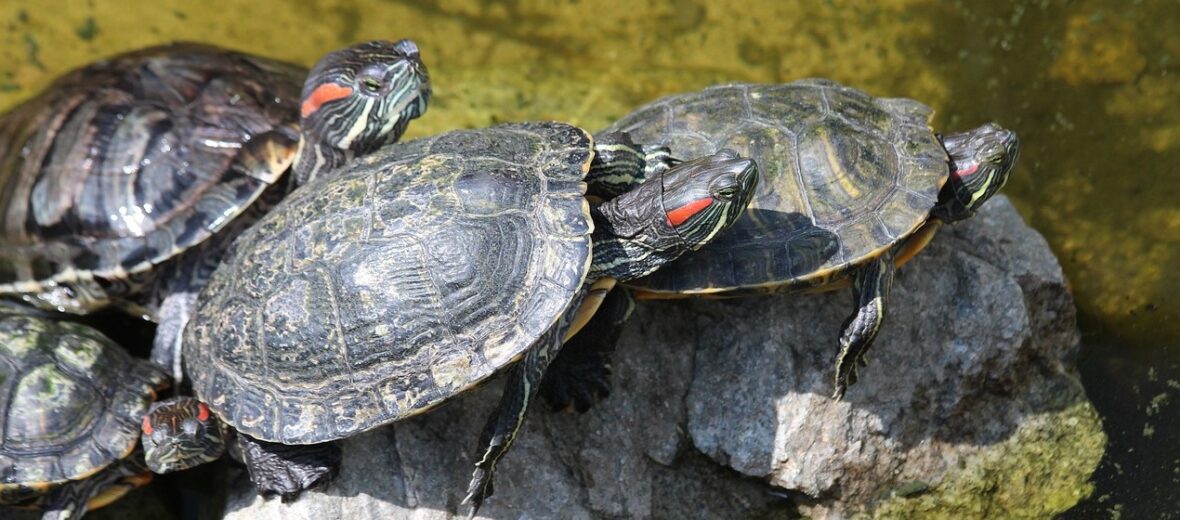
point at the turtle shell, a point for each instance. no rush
(845, 177)
(399, 281)
(127, 162)
(71, 404)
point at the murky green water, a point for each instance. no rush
(1091, 86)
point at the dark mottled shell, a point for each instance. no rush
(127, 162)
(409, 276)
(71, 403)
(845, 176)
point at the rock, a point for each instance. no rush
(968, 403)
(969, 407)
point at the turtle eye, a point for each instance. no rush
(727, 193)
(370, 84)
(159, 436)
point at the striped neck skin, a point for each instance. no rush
(619, 164)
(357, 100)
(677, 211)
(980, 161)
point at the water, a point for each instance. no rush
(1091, 86)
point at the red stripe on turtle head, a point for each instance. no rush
(202, 412)
(323, 94)
(147, 424)
(679, 215)
(968, 171)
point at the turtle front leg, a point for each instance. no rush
(172, 317)
(870, 287)
(505, 422)
(580, 375)
(74, 499)
(288, 470)
(619, 165)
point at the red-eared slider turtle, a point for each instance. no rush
(420, 270)
(852, 187)
(71, 404)
(127, 163)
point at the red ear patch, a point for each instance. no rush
(202, 412)
(677, 216)
(968, 171)
(147, 425)
(323, 94)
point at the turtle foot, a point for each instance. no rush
(288, 470)
(577, 381)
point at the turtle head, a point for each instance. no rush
(981, 160)
(180, 433)
(704, 196)
(678, 210)
(358, 99)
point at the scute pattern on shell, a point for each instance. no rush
(381, 289)
(71, 403)
(844, 177)
(127, 162)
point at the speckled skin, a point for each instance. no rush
(418, 271)
(845, 177)
(71, 401)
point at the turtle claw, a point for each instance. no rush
(480, 489)
(288, 470)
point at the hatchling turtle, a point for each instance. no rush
(71, 405)
(128, 163)
(853, 186)
(420, 270)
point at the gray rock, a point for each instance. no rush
(720, 410)
(974, 347)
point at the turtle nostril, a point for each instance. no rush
(407, 47)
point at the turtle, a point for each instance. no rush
(422, 269)
(127, 178)
(853, 186)
(71, 406)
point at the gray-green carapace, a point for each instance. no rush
(71, 405)
(419, 271)
(125, 180)
(853, 186)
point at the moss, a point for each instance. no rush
(1041, 470)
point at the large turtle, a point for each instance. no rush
(71, 405)
(419, 271)
(128, 163)
(853, 186)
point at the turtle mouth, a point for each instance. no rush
(411, 89)
(748, 178)
(182, 452)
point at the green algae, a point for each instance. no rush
(1040, 471)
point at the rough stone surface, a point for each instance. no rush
(720, 410)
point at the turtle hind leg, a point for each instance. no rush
(870, 286)
(288, 470)
(505, 422)
(580, 375)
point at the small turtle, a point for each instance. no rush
(853, 186)
(128, 163)
(71, 406)
(419, 271)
